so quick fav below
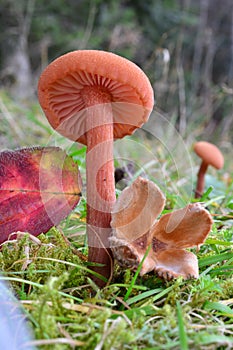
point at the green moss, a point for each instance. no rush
(37, 260)
(57, 294)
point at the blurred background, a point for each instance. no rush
(184, 46)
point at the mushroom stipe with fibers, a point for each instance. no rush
(135, 228)
(94, 97)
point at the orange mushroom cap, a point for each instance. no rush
(209, 153)
(61, 87)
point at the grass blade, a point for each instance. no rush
(129, 291)
(214, 259)
(221, 308)
(182, 331)
(144, 295)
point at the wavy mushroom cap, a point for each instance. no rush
(209, 153)
(65, 84)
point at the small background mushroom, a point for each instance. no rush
(210, 155)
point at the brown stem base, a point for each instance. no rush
(102, 257)
(99, 252)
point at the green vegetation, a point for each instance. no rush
(65, 309)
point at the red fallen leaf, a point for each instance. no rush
(38, 188)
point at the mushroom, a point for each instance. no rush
(135, 229)
(94, 97)
(210, 155)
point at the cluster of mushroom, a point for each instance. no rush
(94, 97)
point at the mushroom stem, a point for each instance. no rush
(201, 180)
(100, 187)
